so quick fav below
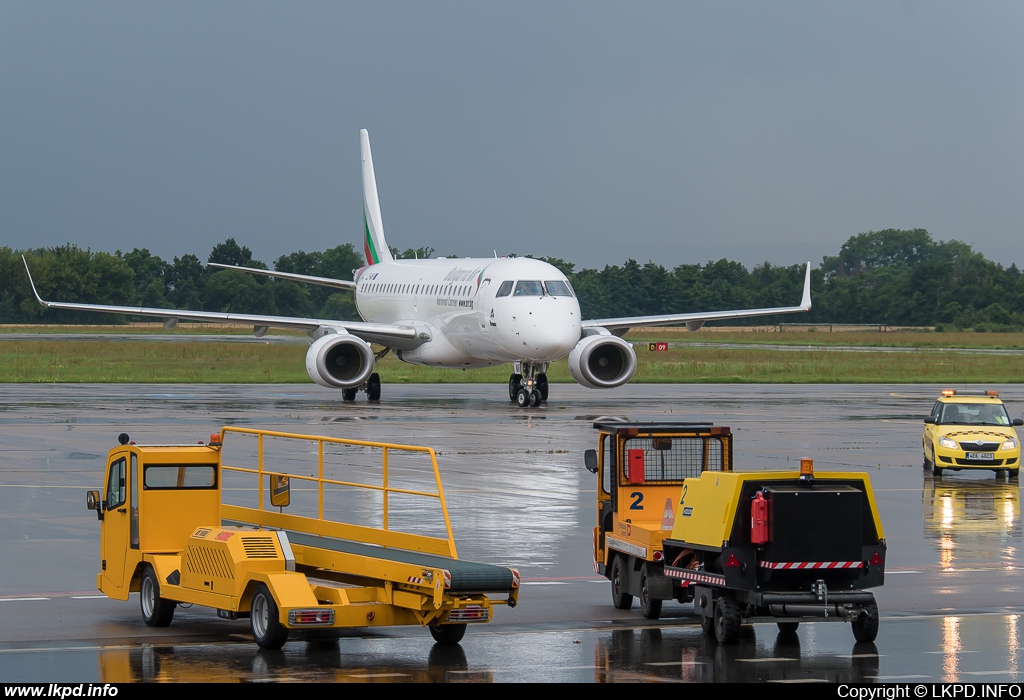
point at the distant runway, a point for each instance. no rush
(951, 607)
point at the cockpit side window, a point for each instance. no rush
(505, 289)
(528, 288)
(557, 288)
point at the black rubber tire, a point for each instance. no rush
(865, 627)
(265, 620)
(788, 627)
(927, 463)
(448, 634)
(523, 398)
(1013, 474)
(534, 399)
(727, 619)
(650, 608)
(348, 394)
(707, 625)
(513, 385)
(156, 612)
(373, 387)
(542, 387)
(620, 599)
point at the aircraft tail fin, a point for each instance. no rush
(374, 246)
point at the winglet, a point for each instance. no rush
(805, 302)
(33, 284)
(374, 246)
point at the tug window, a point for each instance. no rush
(179, 476)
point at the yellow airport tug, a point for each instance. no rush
(320, 534)
(675, 522)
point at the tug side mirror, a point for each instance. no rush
(590, 461)
(92, 502)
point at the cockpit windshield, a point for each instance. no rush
(528, 288)
(557, 288)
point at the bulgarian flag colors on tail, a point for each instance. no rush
(374, 246)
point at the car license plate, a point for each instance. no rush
(988, 456)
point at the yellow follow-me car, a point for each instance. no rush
(971, 430)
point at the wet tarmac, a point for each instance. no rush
(518, 495)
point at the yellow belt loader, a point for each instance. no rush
(168, 533)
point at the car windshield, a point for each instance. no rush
(974, 414)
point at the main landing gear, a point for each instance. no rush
(371, 387)
(528, 384)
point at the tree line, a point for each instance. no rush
(895, 277)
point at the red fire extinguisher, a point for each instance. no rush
(759, 519)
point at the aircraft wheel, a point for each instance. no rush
(348, 394)
(373, 387)
(542, 387)
(156, 612)
(513, 385)
(534, 399)
(523, 398)
(264, 618)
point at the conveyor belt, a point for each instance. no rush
(467, 577)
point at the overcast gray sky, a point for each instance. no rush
(678, 132)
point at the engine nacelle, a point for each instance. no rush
(602, 362)
(339, 360)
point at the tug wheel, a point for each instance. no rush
(727, 619)
(156, 612)
(865, 627)
(448, 634)
(620, 599)
(649, 607)
(265, 620)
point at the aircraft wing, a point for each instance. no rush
(310, 279)
(694, 321)
(379, 333)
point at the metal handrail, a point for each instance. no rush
(384, 488)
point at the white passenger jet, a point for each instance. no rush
(454, 313)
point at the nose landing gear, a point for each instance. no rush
(528, 384)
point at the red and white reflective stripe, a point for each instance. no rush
(787, 565)
(415, 579)
(515, 578)
(447, 579)
(689, 576)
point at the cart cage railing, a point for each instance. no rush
(383, 536)
(670, 459)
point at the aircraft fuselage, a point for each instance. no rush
(476, 311)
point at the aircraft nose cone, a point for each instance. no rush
(554, 340)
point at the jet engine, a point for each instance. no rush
(602, 362)
(339, 360)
